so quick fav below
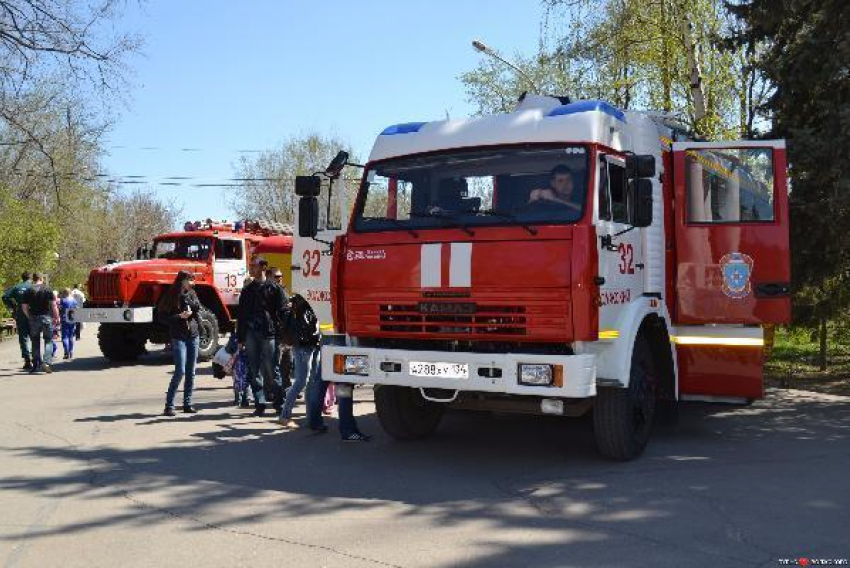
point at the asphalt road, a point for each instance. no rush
(91, 475)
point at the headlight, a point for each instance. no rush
(535, 374)
(351, 365)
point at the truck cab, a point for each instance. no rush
(555, 260)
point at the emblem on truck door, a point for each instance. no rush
(735, 271)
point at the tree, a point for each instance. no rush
(55, 57)
(267, 182)
(637, 54)
(31, 246)
(808, 47)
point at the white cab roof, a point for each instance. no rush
(537, 119)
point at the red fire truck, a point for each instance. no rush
(563, 258)
(123, 295)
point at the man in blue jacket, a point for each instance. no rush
(13, 300)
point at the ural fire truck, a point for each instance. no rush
(472, 275)
(123, 295)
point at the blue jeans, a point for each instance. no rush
(23, 325)
(260, 350)
(68, 331)
(315, 400)
(185, 358)
(41, 328)
(305, 363)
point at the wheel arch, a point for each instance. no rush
(614, 358)
(211, 300)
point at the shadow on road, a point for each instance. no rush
(742, 486)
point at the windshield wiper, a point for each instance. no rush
(401, 225)
(443, 214)
(509, 217)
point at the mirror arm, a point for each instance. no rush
(624, 231)
(329, 244)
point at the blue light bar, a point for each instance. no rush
(405, 128)
(587, 106)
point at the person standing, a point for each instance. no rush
(274, 277)
(13, 299)
(68, 328)
(261, 307)
(316, 391)
(80, 298)
(178, 309)
(39, 306)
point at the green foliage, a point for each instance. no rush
(806, 59)
(28, 238)
(634, 54)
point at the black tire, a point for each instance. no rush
(404, 414)
(209, 335)
(121, 341)
(622, 417)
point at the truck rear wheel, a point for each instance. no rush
(404, 414)
(209, 334)
(120, 341)
(622, 417)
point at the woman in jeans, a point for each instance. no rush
(308, 366)
(178, 309)
(305, 355)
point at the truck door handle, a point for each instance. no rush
(773, 290)
(295, 267)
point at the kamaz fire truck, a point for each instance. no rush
(473, 275)
(123, 295)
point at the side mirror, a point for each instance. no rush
(641, 201)
(308, 186)
(308, 217)
(640, 166)
(335, 167)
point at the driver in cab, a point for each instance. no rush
(560, 189)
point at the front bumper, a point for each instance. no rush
(111, 315)
(579, 371)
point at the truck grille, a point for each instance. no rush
(104, 286)
(487, 320)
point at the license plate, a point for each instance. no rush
(441, 370)
(95, 315)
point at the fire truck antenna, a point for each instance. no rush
(486, 50)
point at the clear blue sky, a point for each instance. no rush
(221, 76)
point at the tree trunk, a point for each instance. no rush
(822, 354)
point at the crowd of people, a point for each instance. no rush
(269, 322)
(42, 320)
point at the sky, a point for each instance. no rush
(216, 79)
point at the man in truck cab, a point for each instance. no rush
(561, 189)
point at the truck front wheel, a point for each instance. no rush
(622, 417)
(404, 414)
(209, 334)
(121, 341)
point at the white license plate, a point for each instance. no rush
(441, 370)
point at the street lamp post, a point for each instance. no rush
(486, 50)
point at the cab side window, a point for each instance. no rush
(613, 194)
(228, 250)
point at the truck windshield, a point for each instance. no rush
(189, 248)
(505, 186)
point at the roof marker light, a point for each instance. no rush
(404, 128)
(588, 106)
